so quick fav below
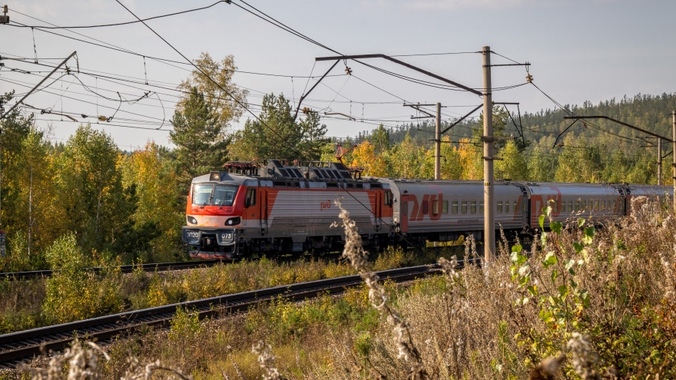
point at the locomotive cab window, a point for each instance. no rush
(210, 194)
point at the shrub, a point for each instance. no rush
(72, 293)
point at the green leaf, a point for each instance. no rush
(578, 247)
(580, 222)
(533, 290)
(541, 221)
(517, 248)
(584, 296)
(554, 275)
(588, 235)
(550, 259)
(556, 227)
(589, 231)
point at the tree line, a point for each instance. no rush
(129, 206)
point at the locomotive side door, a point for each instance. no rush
(263, 209)
(377, 212)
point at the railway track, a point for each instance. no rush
(152, 267)
(18, 347)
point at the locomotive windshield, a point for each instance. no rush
(211, 194)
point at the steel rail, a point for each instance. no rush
(150, 267)
(20, 346)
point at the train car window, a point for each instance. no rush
(435, 207)
(454, 207)
(463, 207)
(445, 207)
(481, 207)
(499, 210)
(250, 198)
(506, 207)
(472, 207)
(570, 206)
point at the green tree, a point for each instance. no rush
(15, 128)
(513, 164)
(380, 138)
(312, 138)
(275, 134)
(201, 144)
(88, 186)
(408, 159)
(500, 119)
(36, 197)
(214, 80)
(154, 226)
(542, 161)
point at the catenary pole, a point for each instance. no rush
(489, 216)
(673, 154)
(37, 85)
(659, 161)
(437, 144)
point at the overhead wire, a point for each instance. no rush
(587, 123)
(121, 23)
(82, 100)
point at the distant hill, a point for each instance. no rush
(648, 112)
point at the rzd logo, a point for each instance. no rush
(324, 205)
(430, 206)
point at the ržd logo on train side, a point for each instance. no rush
(539, 203)
(324, 205)
(430, 206)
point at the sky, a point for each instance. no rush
(123, 79)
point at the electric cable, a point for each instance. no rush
(121, 23)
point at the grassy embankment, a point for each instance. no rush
(585, 303)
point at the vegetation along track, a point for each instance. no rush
(151, 267)
(23, 345)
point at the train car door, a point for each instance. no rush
(523, 207)
(263, 209)
(404, 211)
(378, 210)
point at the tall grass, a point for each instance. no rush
(581, 303)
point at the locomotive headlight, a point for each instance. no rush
(192, 220)
(233, 221)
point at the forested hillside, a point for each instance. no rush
(541, 147)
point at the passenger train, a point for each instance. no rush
(255, 209)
